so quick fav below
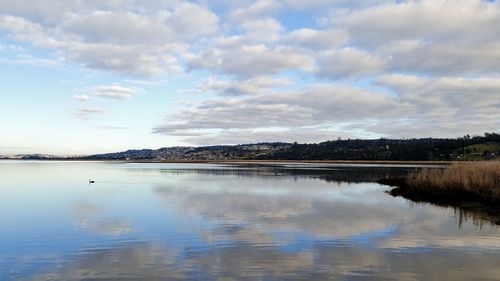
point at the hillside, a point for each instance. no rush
(424, 149)
(219, 152)
(468, 148)
(485, 147)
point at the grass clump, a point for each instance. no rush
(475, 181)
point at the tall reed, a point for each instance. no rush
(477, 180)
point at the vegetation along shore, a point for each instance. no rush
(458, 183)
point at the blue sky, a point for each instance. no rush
(95, 76)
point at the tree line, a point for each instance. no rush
(422, 149)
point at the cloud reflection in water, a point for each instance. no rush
(264, 224)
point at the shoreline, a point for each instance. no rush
(478, 209)
(256, 162)
(472, 186)
(299, 161)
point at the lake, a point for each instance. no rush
(147, 221)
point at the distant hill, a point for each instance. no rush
(218, 152)
(31, 157)
(469, 148)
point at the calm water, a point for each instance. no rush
(213, 222)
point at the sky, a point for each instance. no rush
(82, 77)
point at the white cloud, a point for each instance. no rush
(52, 12)
(433, 21)
(82, 98)
(111, 127)
(317, 39)
(445, 106)
(256, 9)
(322, 4)
(119, 28)
(252, 86)
(446, 37)
(451, 37)
(115, 92)
(348, 62)
(301, 4)
(317, 106)
(110, 92)
(193, 20)
(251, 60)
(438, 106)
(464, 94)
(139, 41)
(88, 112)
(262, 30)
(448, 59)
(130, 60)
(265, 62)
(25, 30)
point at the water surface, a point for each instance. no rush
(216, 222)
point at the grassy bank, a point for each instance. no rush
(463, 181)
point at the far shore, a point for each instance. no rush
(244, 161)
(257, 162)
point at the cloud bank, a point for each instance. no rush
(370, 68)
